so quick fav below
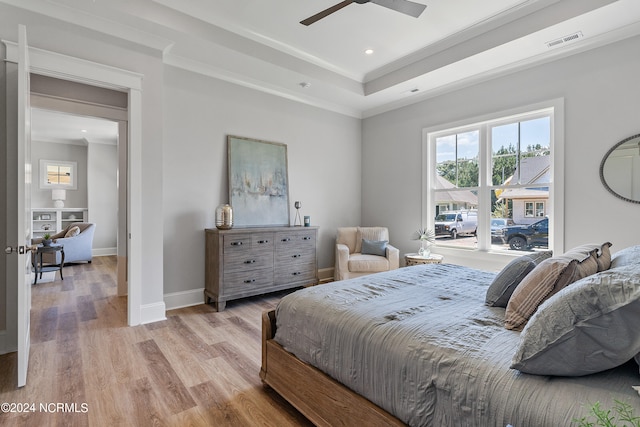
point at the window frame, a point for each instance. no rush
(535, 211)
(73, 176)
(554, 207)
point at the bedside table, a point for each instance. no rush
(415, 259)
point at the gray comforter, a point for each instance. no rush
(420, 343)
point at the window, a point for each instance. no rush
(501, 167)
(534, 209)
(58, 174)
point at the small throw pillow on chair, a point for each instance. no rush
(374, 247)
(73, 231)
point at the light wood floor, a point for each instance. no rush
(197, 368)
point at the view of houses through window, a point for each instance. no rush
(490, 183)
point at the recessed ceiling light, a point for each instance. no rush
(369, 51)
(83, 130)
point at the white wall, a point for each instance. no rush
(102, 174)
(601, 93)
(323, 157)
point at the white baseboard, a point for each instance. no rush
(104, 251)
(325, 274)
(155, 312)
(184, 298)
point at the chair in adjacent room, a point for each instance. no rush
(77, 239)
(364, 250)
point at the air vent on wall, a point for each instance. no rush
(566, 39)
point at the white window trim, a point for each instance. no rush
(555, 204)
(44, 184)
(535, 209)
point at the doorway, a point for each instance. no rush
(87, 126)
(51, 64)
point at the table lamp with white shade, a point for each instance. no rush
(58, 195)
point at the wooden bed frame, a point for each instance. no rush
(320, 398)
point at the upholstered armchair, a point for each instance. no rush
(77, 247)
(364, 250)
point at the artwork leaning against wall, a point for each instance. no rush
(258, 182)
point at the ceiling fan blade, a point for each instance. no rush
(318, 16)
(404, 6)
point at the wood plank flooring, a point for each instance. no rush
(197, 368)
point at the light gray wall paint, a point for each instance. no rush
(601, 93)
(41, 198)
(102, 187)
(323, 157)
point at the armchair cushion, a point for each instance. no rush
(347, 236)
(370, 233)
(362, 263)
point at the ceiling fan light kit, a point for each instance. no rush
(403, 6)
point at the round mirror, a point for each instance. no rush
(620, 169)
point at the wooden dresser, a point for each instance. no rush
(242, 262)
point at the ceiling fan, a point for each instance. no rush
(403, 6)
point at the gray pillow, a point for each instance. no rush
(374, 247)
(511, 275)
(626, 256)
(588, 327)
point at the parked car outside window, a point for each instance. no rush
(523, 237)
(497, 226)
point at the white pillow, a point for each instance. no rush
(73, 231)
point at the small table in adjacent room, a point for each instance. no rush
(416, 259)
(39, 267)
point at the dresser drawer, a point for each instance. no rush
(236, 243)
(248, 260)
(286, 241)
(295, 273)
(296, 256)
(262, 241)
(246, 281)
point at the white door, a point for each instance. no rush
(23, 204)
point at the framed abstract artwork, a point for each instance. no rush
(258, 182)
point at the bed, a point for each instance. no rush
(418, 346)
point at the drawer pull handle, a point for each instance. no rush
(306, 238)
(250, 261)
(249, 280)
(286, 239)
(296, 273)
(296, 256)
(236, 243)
(263, 241)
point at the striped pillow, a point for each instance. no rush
(550, 276)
